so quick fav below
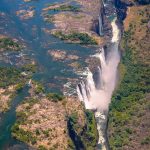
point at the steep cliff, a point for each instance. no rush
(129, 115)
(122, 6)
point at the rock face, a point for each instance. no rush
(67, 22)
(57, 54)
(122, 6)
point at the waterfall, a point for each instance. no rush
(89, 91)
(98, 78)
(101, 57)
(107, 76)
(85, 88)
(90, 82)
(100, 23)
(103, 3)
(96, 90)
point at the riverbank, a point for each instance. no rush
(12, 81)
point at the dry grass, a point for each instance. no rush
(50, 120)
(47, 117)
(5, 97)
(137, 21)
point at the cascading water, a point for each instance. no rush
(100, 22)
(103, 3)
(98, 78)
(97, 94)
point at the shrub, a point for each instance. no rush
(82, 38)
(41, 147)
(145, 141)
(54, 97)
(9, 44)
(19, 86)
(24, 136)
(67, 8)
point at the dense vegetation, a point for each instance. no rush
(55, 97)
(87, 138)
(82, 38)
(9, 44)
(22, 135)
(91, 131)
(12, 75)
(12, 81)
(19, 133)
(67, 8)
(130, 108)
(8, 76)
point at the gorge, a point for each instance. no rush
(98, 97)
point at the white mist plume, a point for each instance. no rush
(100, 98)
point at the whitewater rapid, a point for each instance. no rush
(100, 98)
(97, 95)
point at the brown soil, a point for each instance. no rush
(61, 55)
(5, 97)
(47, 116)
(137, 19)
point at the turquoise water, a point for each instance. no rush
(6, 121)
(37, 44)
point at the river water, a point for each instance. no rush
(38, 42)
